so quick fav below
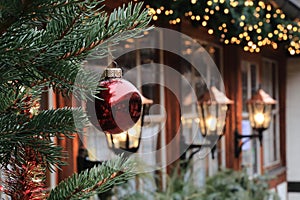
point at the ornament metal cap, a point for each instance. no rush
(112, 73)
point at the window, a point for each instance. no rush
(268, 76)
(250, 150)
(271, 141)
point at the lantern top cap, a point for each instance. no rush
(262, 97)
(214, 96)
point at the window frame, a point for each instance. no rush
(275, 113)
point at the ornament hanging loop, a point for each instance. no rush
(113, 64)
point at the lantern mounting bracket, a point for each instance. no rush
(195, 148)
(238, 145)
(198, 147)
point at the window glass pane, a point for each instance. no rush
(244, 86)
(271, 135)
(250, 150)
(254, 80)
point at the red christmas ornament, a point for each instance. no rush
(119, 106)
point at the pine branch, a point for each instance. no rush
(30, 55)
(17, 99)
(96, 180)
(16, 132)
(47, 123)
(12, 146)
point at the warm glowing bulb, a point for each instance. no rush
(211, 123)
(278, 11)
(295, 29)
(292, 52)
(258, 30)
(270, 35)
(259, 118)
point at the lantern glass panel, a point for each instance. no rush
(212, 118)
(268, 115)
(202, 116)
(260, 115)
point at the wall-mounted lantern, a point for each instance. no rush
(260, 115)
(212, 107)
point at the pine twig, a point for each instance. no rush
(96, 180)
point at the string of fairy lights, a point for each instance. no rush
(250, 23)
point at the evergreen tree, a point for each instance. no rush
(42, 46)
